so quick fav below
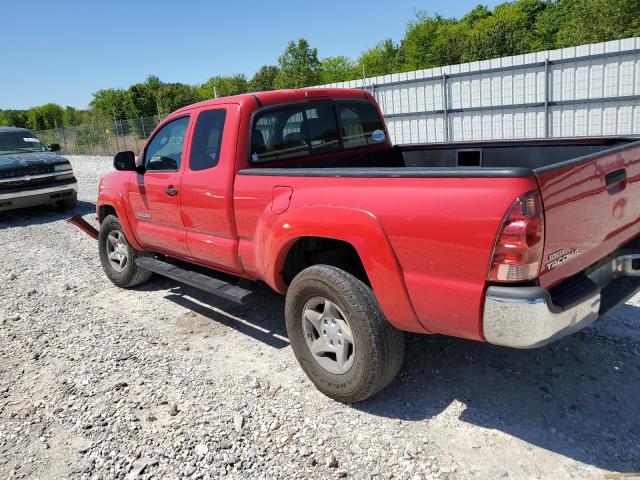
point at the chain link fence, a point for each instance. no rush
(106, 138)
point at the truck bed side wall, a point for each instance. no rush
(440, 231)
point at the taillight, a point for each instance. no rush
(517, 253)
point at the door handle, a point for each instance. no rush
(171, 191)
(617, 178)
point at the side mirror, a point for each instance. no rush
(53, 147)
(125, 161)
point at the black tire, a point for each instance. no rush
(66, 204)
(131, 275)
(378, 347)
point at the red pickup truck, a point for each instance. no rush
(516, 243)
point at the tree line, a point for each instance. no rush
(510, 28)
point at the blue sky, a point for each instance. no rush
(63, 51)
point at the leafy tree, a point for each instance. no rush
(45, 117)
(264, 79)
(380, 60)
(299, 66)
(337, 69)
(172, 96)
(13, 118)
(141, 101)
(591, 21)
(71, 116)
(507, 31)
(153, 83)
(223, 86)
(478, 13)
(111, 102)
(432, 41)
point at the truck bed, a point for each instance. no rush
(531, 154)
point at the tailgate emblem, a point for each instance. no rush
(560, 256)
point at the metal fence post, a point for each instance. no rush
(547, 118)
(124, 139)
(144, 134)
(64, 141)
(445, 107)
(115, 124)
(135, 135)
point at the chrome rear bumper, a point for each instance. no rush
(528, 317)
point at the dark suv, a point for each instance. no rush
(32, 174)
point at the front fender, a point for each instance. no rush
(117, 201)
(357, 227)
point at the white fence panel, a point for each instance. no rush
(586, 90)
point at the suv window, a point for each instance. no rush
(360, 124)
(165, 149)
(207, 138)
(293, 132)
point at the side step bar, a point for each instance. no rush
(195, 279)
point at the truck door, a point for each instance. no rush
(155, 195)
(207, 187)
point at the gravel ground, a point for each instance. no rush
(164, 382)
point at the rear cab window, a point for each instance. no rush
(295, 131)
(207, 139)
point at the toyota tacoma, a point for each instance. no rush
(514, 243)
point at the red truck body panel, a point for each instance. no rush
(440, 240)
(583, 214)
(425, 242)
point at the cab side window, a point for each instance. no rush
(207, 139)
(165, 149)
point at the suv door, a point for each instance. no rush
(155, 195)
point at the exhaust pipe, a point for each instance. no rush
(83, 225)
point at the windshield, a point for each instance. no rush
(20, 141)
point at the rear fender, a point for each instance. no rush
(357, 227)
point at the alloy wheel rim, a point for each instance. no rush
(328, 335)
(117, 250)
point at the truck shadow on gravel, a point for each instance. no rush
(579, 397)
(261, 319)
(41, 214)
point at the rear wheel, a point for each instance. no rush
(339, 334)
(117, 256)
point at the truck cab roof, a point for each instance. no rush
(276, 97)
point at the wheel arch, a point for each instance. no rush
(364, 244)
(115, 206)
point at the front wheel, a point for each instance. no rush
(339, 334)
(117, 256)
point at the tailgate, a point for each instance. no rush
(592, 206)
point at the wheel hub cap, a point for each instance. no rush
(328, 335)
(117, 250)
